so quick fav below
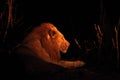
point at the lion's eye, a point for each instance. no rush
(52, 33)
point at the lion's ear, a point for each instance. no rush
(52, 33)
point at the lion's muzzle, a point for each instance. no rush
(65, 46)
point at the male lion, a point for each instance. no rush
(46, 41)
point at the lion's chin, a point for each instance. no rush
(63, 51)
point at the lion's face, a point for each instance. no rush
(60, 40)
(55, 40)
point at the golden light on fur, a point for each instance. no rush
(47, 42)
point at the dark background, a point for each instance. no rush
(75, 19)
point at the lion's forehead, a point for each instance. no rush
(50, 26)
(57, 31)
(54, 28)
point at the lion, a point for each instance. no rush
(48, 42)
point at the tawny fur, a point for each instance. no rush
(47, 42)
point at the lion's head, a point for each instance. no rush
(51, 39)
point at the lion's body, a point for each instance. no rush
(46, 41)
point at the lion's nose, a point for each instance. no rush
(67, 43)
